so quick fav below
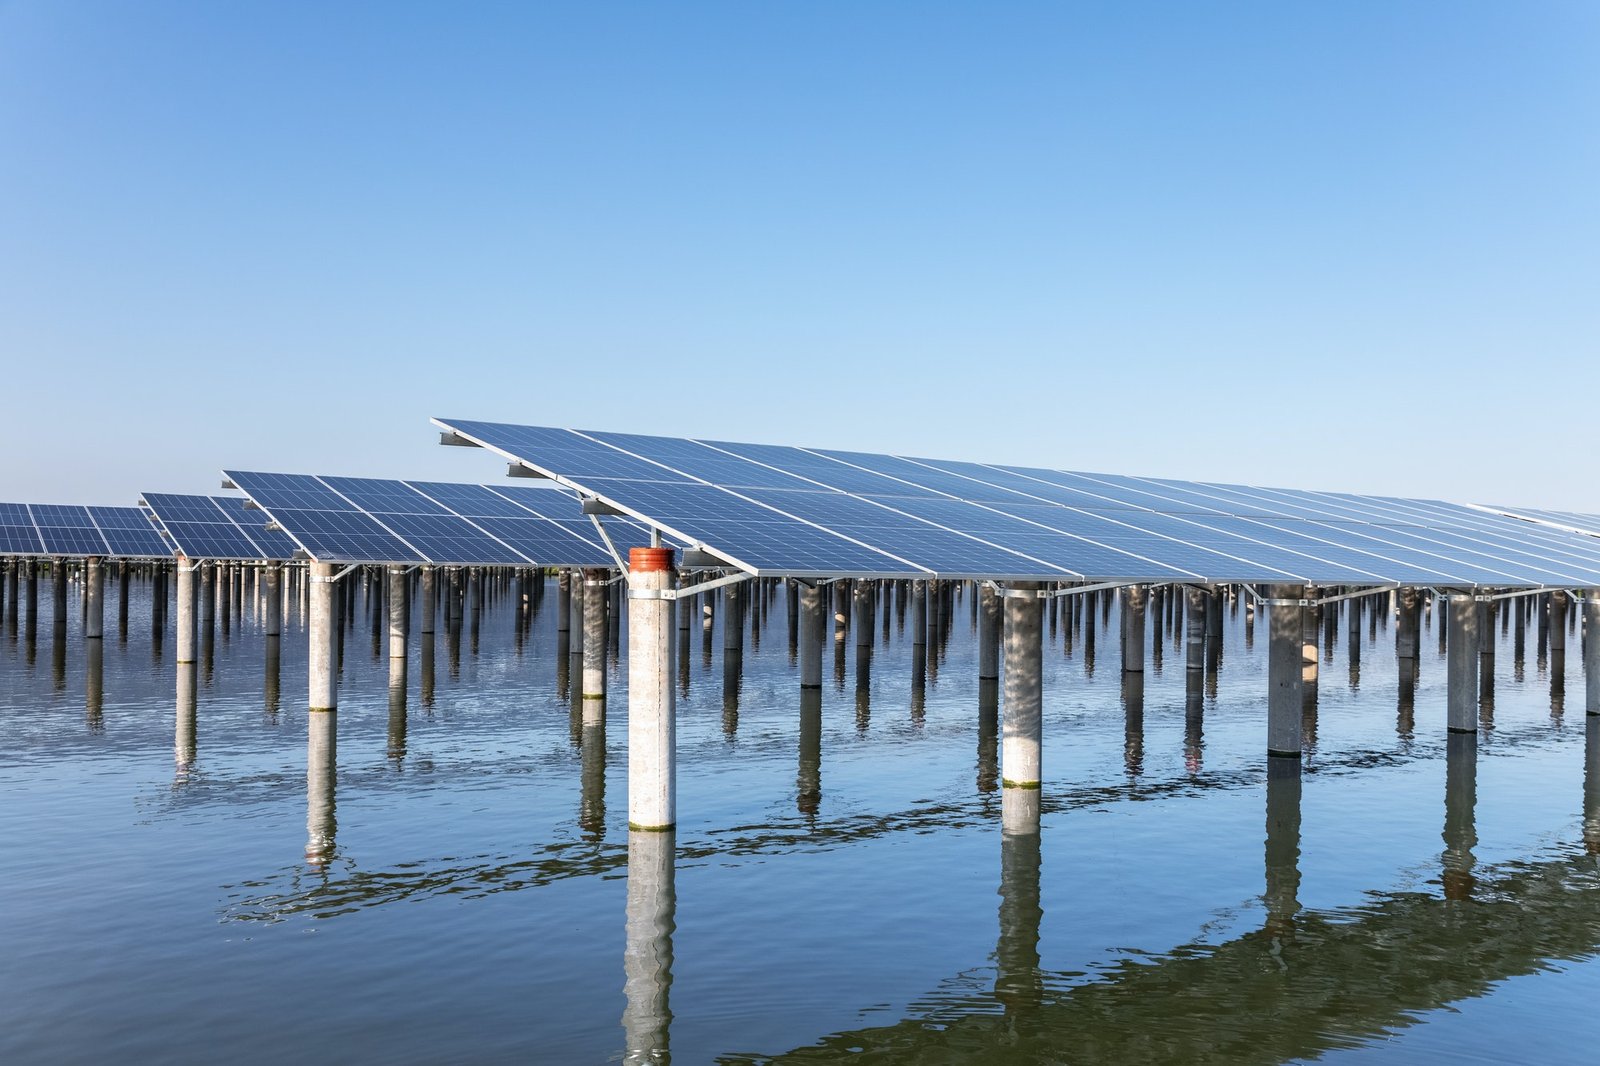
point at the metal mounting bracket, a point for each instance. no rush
(687, 590)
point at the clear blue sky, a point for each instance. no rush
(1333, 245)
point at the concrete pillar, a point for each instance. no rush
(989, 626)
(575, 613)
(647, 949)
(596, 599)
(652, 700)
(919, 613)
(272, 609)
(862, 605)
(1194, 624)
(733, 597)
(1558, 622)
(31, 593)
(1591, 649)
(1284, 679)
(122, 598)
(208, 597)
(94, 616)
(186, 604)
(399, 619)
(1133, 635)
(1558, 644)
(430, 601)
(323, 636)
(12, 574)
(1462, 663)
(1310, 640)
(58, 582)
(1406, 636)
(811, 626)
(1022, 726)
(184, 736)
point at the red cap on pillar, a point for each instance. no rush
(649, 560)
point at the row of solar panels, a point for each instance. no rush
(799, 512)
(786, 511)
(210, 527)
(330, 519)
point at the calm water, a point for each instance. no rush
(840, 889)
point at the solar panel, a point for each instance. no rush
(213, 527)
(782, 510)
(129, 533)
(374, 520)
(18, 534)
(561, 534)
(68, 530)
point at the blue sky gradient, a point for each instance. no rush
(1350, 246)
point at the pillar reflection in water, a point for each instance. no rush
(592, 791)
(184, 735)
(988, 736)
(94, 684)
(647, 954)
(1088, 636)
(1558, 685)
(1133, 723)
(863, 688)
(682, 654)
(1405, 723)
(1282, 896)
(397, 724)
(1194, 742)
(58, 656)
(1460, 824)
(563, 664)
(732, 679)
(271, 687)
(321, 770)
(1018, 982)
(1591, 784)
(808, 783)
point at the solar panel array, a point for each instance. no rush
(368, 520)
(217, 527)
(68, 530)
(818, 512)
